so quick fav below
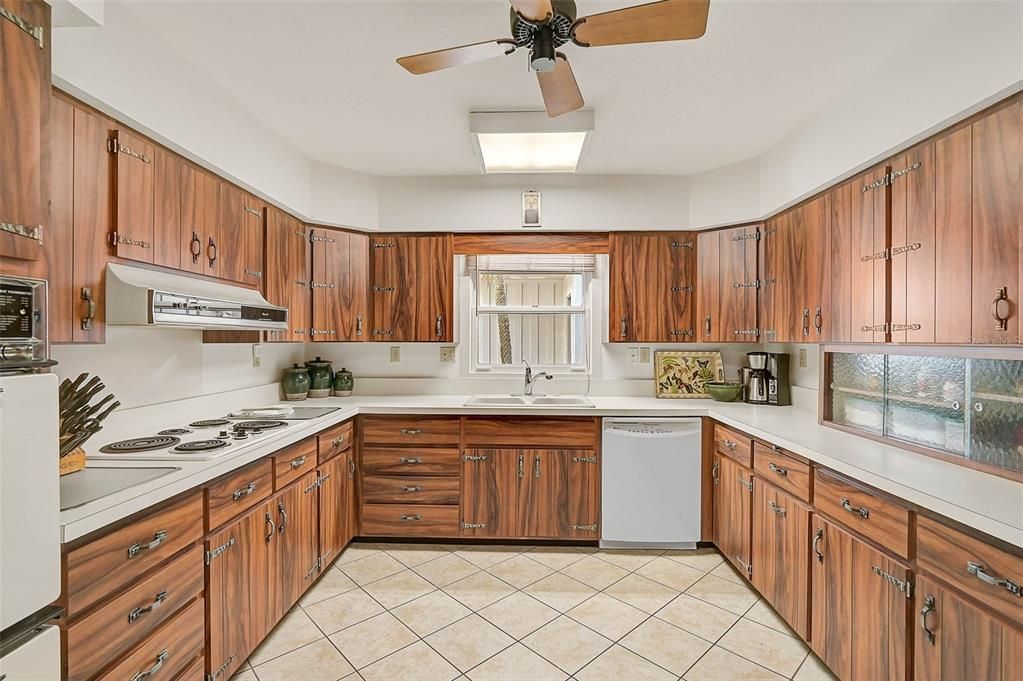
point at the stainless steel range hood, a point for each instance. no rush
(143, 297)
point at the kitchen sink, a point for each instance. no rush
(528, 401)
(561, 401)
(495, 401)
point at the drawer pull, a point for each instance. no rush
(411, 431)
(730, 445)
(411, 460)
(136, 549)
(924, 611)
(338, 441)
(860, 511)
(244, 491)
(155, 605)
(818, 535)
(297, 463)
(977, 570)
(160, 659)
(406, 489)
(777, 509)
(784, 472)
(405, 518)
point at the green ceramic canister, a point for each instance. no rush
(295, 382)
(344, 381)
(321, 377)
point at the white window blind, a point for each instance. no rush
(567, 263)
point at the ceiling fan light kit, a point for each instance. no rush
(543, 26)
(529, 141)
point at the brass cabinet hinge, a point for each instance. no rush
(682, 244)
(586, 528)
(118, 239)
(747, 484)
(746, 567)
(584, 459)
(905, 586)
(384, 244)
(212, 676)
(35, 233)
(115, 147)
(688, 288)
(320, 284)
(887, 253)
(747, 284)
(210, 555)
(473, 526)
(755, 236)
(35, 31)
(314, 237)
(475, 457)
(888, 178)
(746, 332)
(253, 211)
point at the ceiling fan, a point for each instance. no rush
(543, 26)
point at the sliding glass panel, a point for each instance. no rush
(926, 401)
(544, 340)
(996, 413)
(543, 290)
(857, 391)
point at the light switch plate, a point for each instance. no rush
(395, 353)
(633, 355)
(802, 358)
(257, 355)
(447, 353)
(644, 355)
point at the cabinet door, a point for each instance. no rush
(783, 281)
(168, 232)
(738, 284)
(92, 220)
(354, 283)
(566, 501)
(708, 286)
(252, 241)
(627, 306)
(329, 259)
(781, 554)
(653, 286)
(953, 237)
(193, 242)
(412, 288)
(840, 319)
(286, 270)
(490, 491)
(433, 288)
(241, 597)
(867, 244)
(734, 513)
(296, 547)
(352, 528)
(997, 224)
(816, 244)
(24, 109)
(913, 246)
(333, 508)
(955, 640)
(134, 188)
(858, 613)
(230, 238)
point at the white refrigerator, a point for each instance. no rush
(29, 528)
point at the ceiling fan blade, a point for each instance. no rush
(560, 91)
(653, 22)
(534, 10)
(427, 62)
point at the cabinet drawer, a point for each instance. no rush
(416, 430)
(876, 518)
(526, 431)
(384, 461)
(782, 470)
(409, 520)
(126, 619)
(292, 463)
(101, 566)
(237, 492)
(332, 442)
(194, 671)
(988, 573)
(167, 651)
(410, 490)
(733, 444)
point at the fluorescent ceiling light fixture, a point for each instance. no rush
(529, 141)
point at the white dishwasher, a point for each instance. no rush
(650, 483)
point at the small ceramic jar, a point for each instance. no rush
(295, 382)
(344, 381)
(321, 377)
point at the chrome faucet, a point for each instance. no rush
(532, 378)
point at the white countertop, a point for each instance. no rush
(985, 502)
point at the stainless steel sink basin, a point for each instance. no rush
(528, 401)
(562, 401)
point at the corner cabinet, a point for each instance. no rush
(340, 282)
(411, 287)
(286, 274)
(727, 284)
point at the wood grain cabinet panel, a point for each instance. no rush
(333, 503)
(840, 299)
(566, 494)
(783, 471)
(867, 244)
(953, 238)
(252, 241)
(168, 232)
(230, 495)
(652, 297)
(490, 483)
(410, 461)
(531, 431)
(170, 649)
(412, 287)
(195, 671)
(872, 515)
(231, 233)
(294, 461)
(796, 250)
(411, 430)
(134, 180)
(333, 441)
(734, 444)
(286, 274)
(200, 214)
(781, 554)
(708, 286)
(296, 546)
(739, 278)
(733, 499)
(340, 280)
(816, 237)
(413, 520)
(410, 490)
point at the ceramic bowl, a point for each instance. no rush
(724, 391)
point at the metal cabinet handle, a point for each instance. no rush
(272, 528)
(1001, 323)
(254, 273)
(817, 537)
(744, 483)
(284, 517)
(536, 466)
(818, 321)
(411, 431)
(706, 326)
(410, 489)
(244, 491)
(136, 549)
(160, 659)
(715, 473)
(410, 460)
(195, 246)
(775, 468)
(405, 518)
(625, 327)
(730, 444)
(440, 325)
(521, 468)
(155, 605)
(90, 308)
(358, 325)
(212, 246)
(861, 511)
(337, 442)
(777, 509)
(806, 321)
(297, 462)
(924, 612)
(978, 571)
(351, 468)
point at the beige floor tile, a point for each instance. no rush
(469, 641)
(334, 614)
(724, 593)
(726, 571)
(607, 616)
(668, 646)
(567, 644)
(372, 568)
(516, 662)
(763, 613)
(704, 560)
(669, 573)
(698, 617)
(629, 560)
(813, 669)
(519, 614)
(245, 675)
(418, 662)
(640, 592)
(479, 590)
(331, 583)
(520, 571)
(446, 569)
(595, 572)
(720, 665)
(765, 646)
(431, 612)
(294, 631)
(399, 588)
(555, 557)
(356, 552)
(354, 676)
(376, 638)
(415, 554)
(559, 591)
(318, 661)
(484, 556)
(618, 664)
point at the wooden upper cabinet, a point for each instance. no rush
(340, 278)
(796, 253)
(168, 178)
(251, 245)
(840, 297)
(412, 290)
(653, 287)
(739, 281)
(230, 238)
(134, 191)
(92, 222)
(866, 251)
(708, 287)
(24, 110)
(286, 279)
(816, 315)
(200, 214)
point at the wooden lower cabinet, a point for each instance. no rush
(781, 554)
(859, 608)
(490, 484)
(167, 652)
(295, 545)
(335, 520)
(957, 640)
(733, 498)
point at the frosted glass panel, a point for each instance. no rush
(925, 401)
(996, 416)
(857, 391)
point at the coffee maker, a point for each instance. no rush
(757, 378)
(766, 381)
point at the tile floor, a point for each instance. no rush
(407, 612)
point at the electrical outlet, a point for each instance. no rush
(802, 358)
(257, 355)
(633, 355)
(447, 353)
(395, 353)
(644, 355)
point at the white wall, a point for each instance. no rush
(343, 198)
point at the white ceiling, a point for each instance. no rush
(322, 75)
